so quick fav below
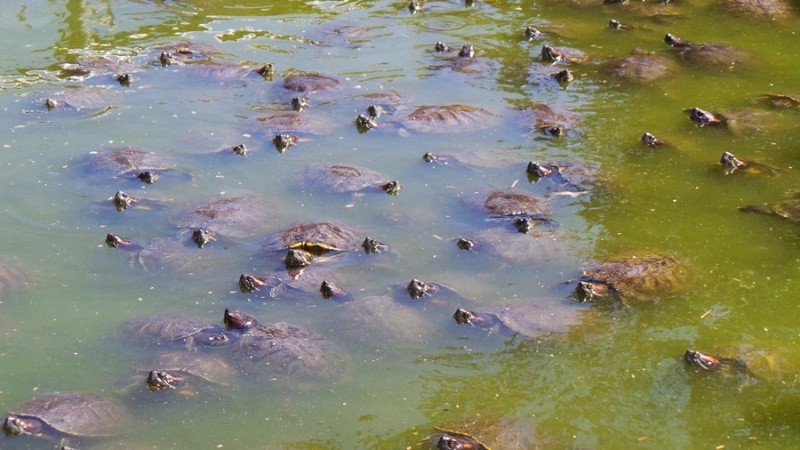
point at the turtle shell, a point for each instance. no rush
(316, 237)
(236, 217)
(788, 209)
(169, 329)
(340, 178)
(310, 82)
(380, 322)
(488, 433)
(543, 119)
(127, 161)
(289, 122)
(536, 319)
(647, 277)
(711, 55)
(288, 352)
(79, 99)
(750, 120)
(785, 100)
(514, 203)
(449, 119)
(546, 246)
(770, 361)
(641, 68)
(205, 367)
(761, 9)
(88, 415)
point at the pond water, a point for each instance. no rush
(611, 376)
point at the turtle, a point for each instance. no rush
(788, 209)
(573, 175)
(732, 164)
(173, 254)
(187, 372)
(70, 414)
(534, 319)
(289, 353)
(706, 54)
(641, 67)
(292, 122)
(130, 163)
(381, 323)
(783, 100)
(236, 217)
(294, 284)
(14, 278)
(305, 83)
(175, 329)
(92, 99)
(340, 178)
(449, 119)
(465, 61)
(316, 237)
(760, 9)
(540, 244)
(224, 71)
(746, 121)
(546, 120)
(771, 361)
(650, 140)
(479, 432)
(99, 65)
(633, 278)
(508, 203)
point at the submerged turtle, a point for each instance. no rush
(449, 119)
(290, 353)
(310, 82)
(13, 278)
(174, 329)
(539, 243)
(72, 414)
(176, 255)
(188, 372)
(546, 120)
(761, 9)
(235, 217)
(579, 176)
(465, 61)
(785, 100)
(731, 164)
(129, 162)
(380, 322)
(515, 203)
(534, 320)
(641, 67)
(788, 209)
(91, 99)
(636, 278)
(292, 122)
(747, 121)
(224, 71)
(340, 178)
(484, 433)
(769, 361)
(563, 55)
(316, 237)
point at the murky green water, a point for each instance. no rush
(614, 381)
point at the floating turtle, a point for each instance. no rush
(175, 255)
(769, 361)
(310, 82)
(174, 329)
(546, 120)
(293, 122)
(466, 62)
(786, 100)
(235, 217)
(290, 353)
(340, 178)
(449, 119)
(641, 67)
(316, 237)
(129, 162)
(71, 414)
(707, 55)
(536, 319)
(541, 244)
(636, 278)
(380, 322)
(95, 100)
(578, 176)
(563, 55)
(223, 71)
(515, 203)
(188, 373)
(484, 433)
(746, 121)
(732, 164)
(788, 209)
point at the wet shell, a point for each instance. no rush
(80, 98)
(166, 328)
(513, 203)
(641, 68)
(646, 277)
(310, 82)
(712, 55)
(289, 122)
(548, 246)
(202, 366)
(341, 178)
(449, 118)
(231, 216)
(126, 161)
(381, 323)
(319, 236)
(89, 415)
(761, 9)
(488, 433)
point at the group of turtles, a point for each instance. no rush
(192, 353)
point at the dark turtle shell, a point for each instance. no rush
(173, 329)
(747, 121)
(291, 353)
(546, 120)
(711, 55)
(788, 209)
(76, 414)
(515, 203)
(195, 365)
(783, 100)
(760, 9)
(773, 361)
(541, 244)
(449, 119)
(340, 178)
(230, 216)
(91, 99)
(647, 277)
(310, 82)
